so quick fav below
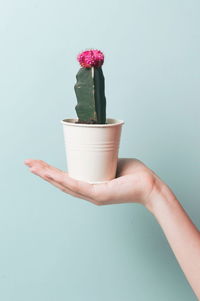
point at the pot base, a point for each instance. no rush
(92, 182)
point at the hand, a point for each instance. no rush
(134, 182)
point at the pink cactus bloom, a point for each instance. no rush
(91, 58)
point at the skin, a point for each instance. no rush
(138, 184)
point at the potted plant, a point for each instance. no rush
(91, 140)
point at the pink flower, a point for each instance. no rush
(91, 58)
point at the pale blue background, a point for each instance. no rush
(54, 247)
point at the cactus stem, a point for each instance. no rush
(89, 88)
(92, 72)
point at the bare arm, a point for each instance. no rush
(135, 182)
(181, 233)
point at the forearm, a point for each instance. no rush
(181, 233)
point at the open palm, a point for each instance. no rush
(134, 182)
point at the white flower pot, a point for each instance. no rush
(92, 149)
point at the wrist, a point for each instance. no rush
(160, 194)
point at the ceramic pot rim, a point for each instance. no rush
(110, 122)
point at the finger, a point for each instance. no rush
(126, 166)
(56, 176)
(68, 191)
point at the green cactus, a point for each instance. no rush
(100, 99)
(89, 89)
